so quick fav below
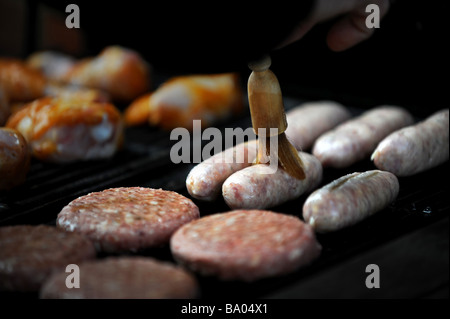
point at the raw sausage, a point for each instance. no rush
(309, 120)
(415, 149)
(305, 123)
(350, 199)
(205, 180)
(255, 187)
(356, 139)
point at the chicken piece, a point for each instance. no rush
(70, 129)
(138, 113)
(14, 158)
(55, 89)
(20, 82)
(53, 65)
(180, 100)
(119, 71)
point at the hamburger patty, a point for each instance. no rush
(245, 244)
(29, 254)
(127, 218)
(124, 278)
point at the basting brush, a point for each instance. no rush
(267, 111)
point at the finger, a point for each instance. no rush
(347, 32)
(351, 29)
(321, 11)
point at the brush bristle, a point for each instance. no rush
(288, 158)
(267, 112)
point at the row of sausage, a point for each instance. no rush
(388, 135)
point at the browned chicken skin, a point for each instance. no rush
(180, 100)
(20, 82)
(69, 129)
(120, 72)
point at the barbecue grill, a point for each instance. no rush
(408, 241)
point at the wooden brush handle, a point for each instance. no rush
(260, 65)
(265, 98)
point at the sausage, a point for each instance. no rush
(255, 187)
(205, 180)
(310, 120)
(350, 199)
(245, 245)
(29, 254)
(124, 277)
(15, 158)
(127, 218)
(357, 138)
(416, 148)
(305, 123)
(67, 130)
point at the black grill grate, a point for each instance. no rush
(409, 239)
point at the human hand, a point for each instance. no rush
(349, 30)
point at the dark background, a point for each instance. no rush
(403, 63)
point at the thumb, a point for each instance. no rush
(351, 29)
